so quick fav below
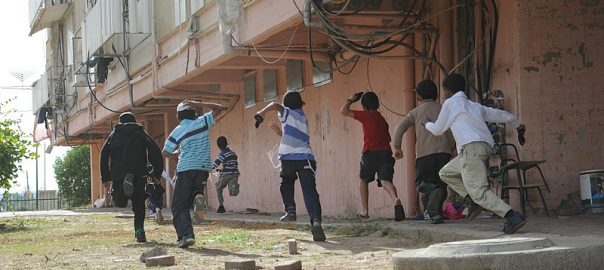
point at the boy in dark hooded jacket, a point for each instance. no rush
(124, 159)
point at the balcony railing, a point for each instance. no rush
(42, 13)
(103, 31)
(34, 7)
(40, 93)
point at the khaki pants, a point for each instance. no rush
(227, 179)
(467, 175)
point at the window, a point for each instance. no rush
(270, 84)
(321, 74)
(183, 9)
(294, 73)
(249, 87)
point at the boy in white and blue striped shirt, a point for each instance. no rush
(297, 160)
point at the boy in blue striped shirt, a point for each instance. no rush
(297, 160)
(190, 141)
(229, 174)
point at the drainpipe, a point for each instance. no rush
(307, 15)
(155, 48)
(409, 198)
(445, 43)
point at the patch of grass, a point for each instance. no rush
(45, 235)
(229, 239)
(266, 244)
(355, 230)
(13, 225)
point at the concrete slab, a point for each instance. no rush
(533, 253)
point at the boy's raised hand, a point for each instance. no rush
(355, 97)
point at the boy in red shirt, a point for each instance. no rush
(377, 154)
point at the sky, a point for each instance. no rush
(23, 54)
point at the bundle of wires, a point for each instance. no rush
(367, 43)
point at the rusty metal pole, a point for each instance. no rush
(410, 195)
(445, 43)
(96, 185)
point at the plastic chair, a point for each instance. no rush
(521, 167)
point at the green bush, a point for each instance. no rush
(14, 147)
(72, 173)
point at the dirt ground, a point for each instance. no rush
(106, 241)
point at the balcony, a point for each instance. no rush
(42, 13)
(40, 94)
(104, 33)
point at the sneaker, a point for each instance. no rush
(513, 223)
(159, 216)
(317, 232)
(437, 219)
(199, 208)
(473, 209)
(288, 217)
(185, 242)
(140, 237)
(220, 210)
(399, 212)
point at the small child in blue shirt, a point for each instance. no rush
(229, 174)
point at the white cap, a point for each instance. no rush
(181, 107)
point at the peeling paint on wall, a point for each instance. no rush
(322, 122)
(590, 3)
(560, 138)
(587, 62)
(572, 27)
(553, 57)
(530, 69)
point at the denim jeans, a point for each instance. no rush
(305, 169)
(188, 184)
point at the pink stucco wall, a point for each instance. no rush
(549, 65)
(336, 142)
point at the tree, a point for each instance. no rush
(72, 173)
(14, 147)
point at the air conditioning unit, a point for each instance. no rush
(79, 80)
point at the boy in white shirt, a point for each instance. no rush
(467, 173)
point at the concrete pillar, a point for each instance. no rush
(410, 195)
(170, 122)
(96, 186)
(445, 44)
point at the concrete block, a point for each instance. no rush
(154, 252)
(290, 265)
(240, 265)
(164, 260)
(292, 246)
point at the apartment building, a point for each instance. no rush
(537, 59)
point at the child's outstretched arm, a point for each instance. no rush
(215, 107)
(401, 128)
(273, 106)
(345, 110)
